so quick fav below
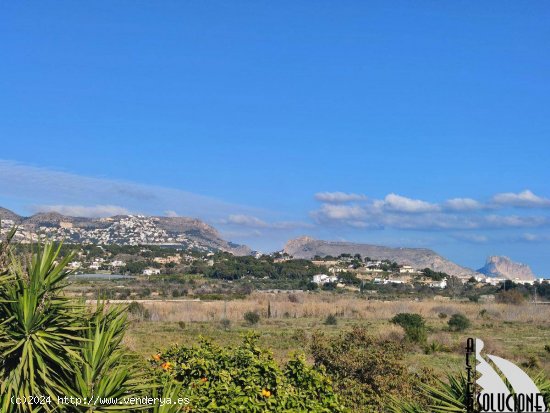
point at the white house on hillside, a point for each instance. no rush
(323, 279)
(118, 263)
(439, 284)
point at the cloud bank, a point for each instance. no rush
(401, 212)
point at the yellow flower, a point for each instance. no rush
(266, 393)
(166, 365)
(156, 357)
(204, 379)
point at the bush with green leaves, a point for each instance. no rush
(139, 311)
(366, 371)
(251, 317)
(246, 379)
(413, 325)
(458, 322)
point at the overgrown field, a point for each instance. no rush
(520, 333)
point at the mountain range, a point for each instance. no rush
(194, 233)
(420, 258)
(121, 229)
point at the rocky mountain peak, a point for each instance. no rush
(500, 266)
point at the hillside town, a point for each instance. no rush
(125, 230)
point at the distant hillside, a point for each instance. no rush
(122, 230)
(6, 214)
(497, 266)
(306, 247)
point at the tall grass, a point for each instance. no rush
(315, 305)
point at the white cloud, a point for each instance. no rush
(462, 204)
(399, 212)
(343, 212)
(339, 197)
(526, 199)
(246, 220)
(94, 211)
(398, 203)
(250, 221)
(171, 214)
(515, 221)
(529, 237)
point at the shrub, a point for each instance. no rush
(365, 371)
(144, 292)
(252, 317)
(181, 324)
(331, 320)
(138, 310)
(299, 335)
(293, 298)
(510, 297)
(458, 322)
(435, 347)
(246, 378)
(225, 323)
(442, 315)
(413, 325)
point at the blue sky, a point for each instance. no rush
(434, 116)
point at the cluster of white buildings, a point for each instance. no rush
(127, 230)
(321, 279)
(500, 280)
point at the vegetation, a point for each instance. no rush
(435, 275)
(246, 378)
(53, 346)
(331, 320)
(229, 267)
(414, 326)
(252, 317)
(366, 371)
(510, 297)
(458, 322)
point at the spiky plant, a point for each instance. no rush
(102, 375)
(53, 346)
(442, 397)
(171, 390)
(39, 327)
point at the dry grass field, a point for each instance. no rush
(520, 333)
